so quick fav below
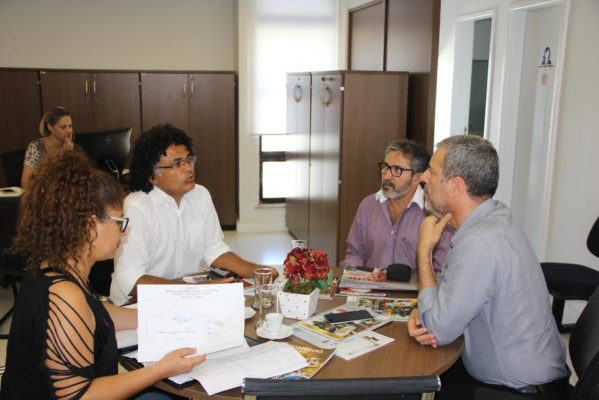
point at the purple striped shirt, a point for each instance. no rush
(374, 242)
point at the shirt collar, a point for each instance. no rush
(159, 197)
(418, 197)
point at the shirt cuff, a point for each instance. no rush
(426, 298)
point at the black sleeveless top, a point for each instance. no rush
(39, 318)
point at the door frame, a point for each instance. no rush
(462, 70)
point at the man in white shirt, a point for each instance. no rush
(173, 227)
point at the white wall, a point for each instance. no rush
(575, 197)
(118, 34)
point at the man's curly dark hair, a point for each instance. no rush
(55, 219)
(147, 151)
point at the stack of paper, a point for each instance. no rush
(262, 361)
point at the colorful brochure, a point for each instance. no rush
(315, 358)
(339, 332)
(396, 309)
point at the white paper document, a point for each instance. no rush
(183, 378)
(207, 317)
(126, 338)
(262, 361)
(362, 343)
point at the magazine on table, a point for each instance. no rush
(363, 292)
(342, 331)
(364, 342)
(396, 309)
(374, 278)
(316, 359)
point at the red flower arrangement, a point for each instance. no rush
(307, 269)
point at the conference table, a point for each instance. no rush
(403, 357)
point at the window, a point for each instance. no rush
(277, 37)
(277, 176)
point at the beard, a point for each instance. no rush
(435, 209)
(393, 192)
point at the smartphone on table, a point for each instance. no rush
(349, 316)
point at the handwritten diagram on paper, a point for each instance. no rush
(207, 317)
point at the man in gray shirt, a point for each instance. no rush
(492, 291)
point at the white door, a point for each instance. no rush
(529, 115)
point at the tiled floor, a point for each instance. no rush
(261, 248)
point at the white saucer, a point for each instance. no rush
(249, 312)
(285, 332)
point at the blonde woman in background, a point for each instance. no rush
(56, 128)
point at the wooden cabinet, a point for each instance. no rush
(20, 111)
(204, 106)
(298, 126)
(401, 35)
(354, 116)
(96, 100)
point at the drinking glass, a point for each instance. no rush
(301, 243)
(267, 295)
(262, 276)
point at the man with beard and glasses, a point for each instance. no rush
(174, 229)
(492, 290)
(385, 228)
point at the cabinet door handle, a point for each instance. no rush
(86, 87)
(94, 89)
(191, 86)
(185, 90)
(297, 93)
(324, 99)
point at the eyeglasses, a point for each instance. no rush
(179, 163)
(396, 170)
(122, 222)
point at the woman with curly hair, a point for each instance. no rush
(62, 339)
(56, 128)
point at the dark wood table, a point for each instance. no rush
(402, 357)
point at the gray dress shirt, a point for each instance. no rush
(494, 293)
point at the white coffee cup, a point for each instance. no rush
(273, 323)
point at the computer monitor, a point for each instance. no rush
(108, 148)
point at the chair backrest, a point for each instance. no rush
(100, 277)
(373, 388)
(593, 239)
(12, 163)
(584, 350)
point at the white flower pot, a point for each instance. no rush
(298, 306)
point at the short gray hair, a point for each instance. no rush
(475, 160)
(418, 154)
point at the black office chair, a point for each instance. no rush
(567, 281)
(100, 277)
(12, 163)
(584, 353)
(407, 388)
